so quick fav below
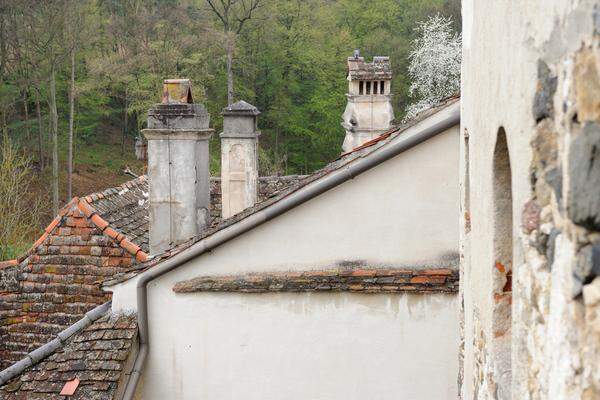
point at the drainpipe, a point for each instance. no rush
(303, 195)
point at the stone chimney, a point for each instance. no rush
(239, 158)
(178, 166)
(369, 110)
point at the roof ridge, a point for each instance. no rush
(61, 213)
(85, 206)
(123, 241)
(39, 354)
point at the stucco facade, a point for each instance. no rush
(529, 218)
(400, 214)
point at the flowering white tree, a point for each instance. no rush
(434, 64)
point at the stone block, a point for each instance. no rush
(587, 86)
(586, 267)
(583, 203)
(545, 89)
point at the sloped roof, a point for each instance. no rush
(92, 355)
(125, 209)
(341, 162)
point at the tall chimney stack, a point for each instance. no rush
(369, 110)
(239, 158)
(178, 166)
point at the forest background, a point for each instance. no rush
(78, 76)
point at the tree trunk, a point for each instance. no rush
(26, 110)
(71, 118)
(125, 122)
(229, 48)
(38, 111)
(54, 126)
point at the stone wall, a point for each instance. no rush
(561, 226)
(531, 73)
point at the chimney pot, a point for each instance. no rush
(369, 111)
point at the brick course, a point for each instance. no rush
(359, 280)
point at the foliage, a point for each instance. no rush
(434, 63)
(18, 209)
(289, 62)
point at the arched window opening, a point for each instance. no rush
(502, 268)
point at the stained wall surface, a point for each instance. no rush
(403, 213)
(530, 69)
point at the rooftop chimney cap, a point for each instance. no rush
(177, 91)
(240, 108)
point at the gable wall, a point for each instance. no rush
(404, 214)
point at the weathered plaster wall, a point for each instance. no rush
(532, 69)
(401, 213)
(304, 346)
(239, 174)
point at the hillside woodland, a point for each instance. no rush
(77, 77)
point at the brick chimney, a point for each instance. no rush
(369, 109)
(178, 166)
(239, 158)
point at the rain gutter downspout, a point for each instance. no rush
(308, 192)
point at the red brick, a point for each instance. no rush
(420, 279)
(441, 271)
(81, 231)
(356, 287)
(500, 267)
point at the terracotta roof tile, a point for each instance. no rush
(89, 365)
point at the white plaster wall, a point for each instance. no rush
(304, 346)
(403, 213)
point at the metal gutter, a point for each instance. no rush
(301, 196)
(44, 351)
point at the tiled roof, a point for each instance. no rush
(92, 362)
(297, 184)
(125, 209)
(356, 280)
(55, 282)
